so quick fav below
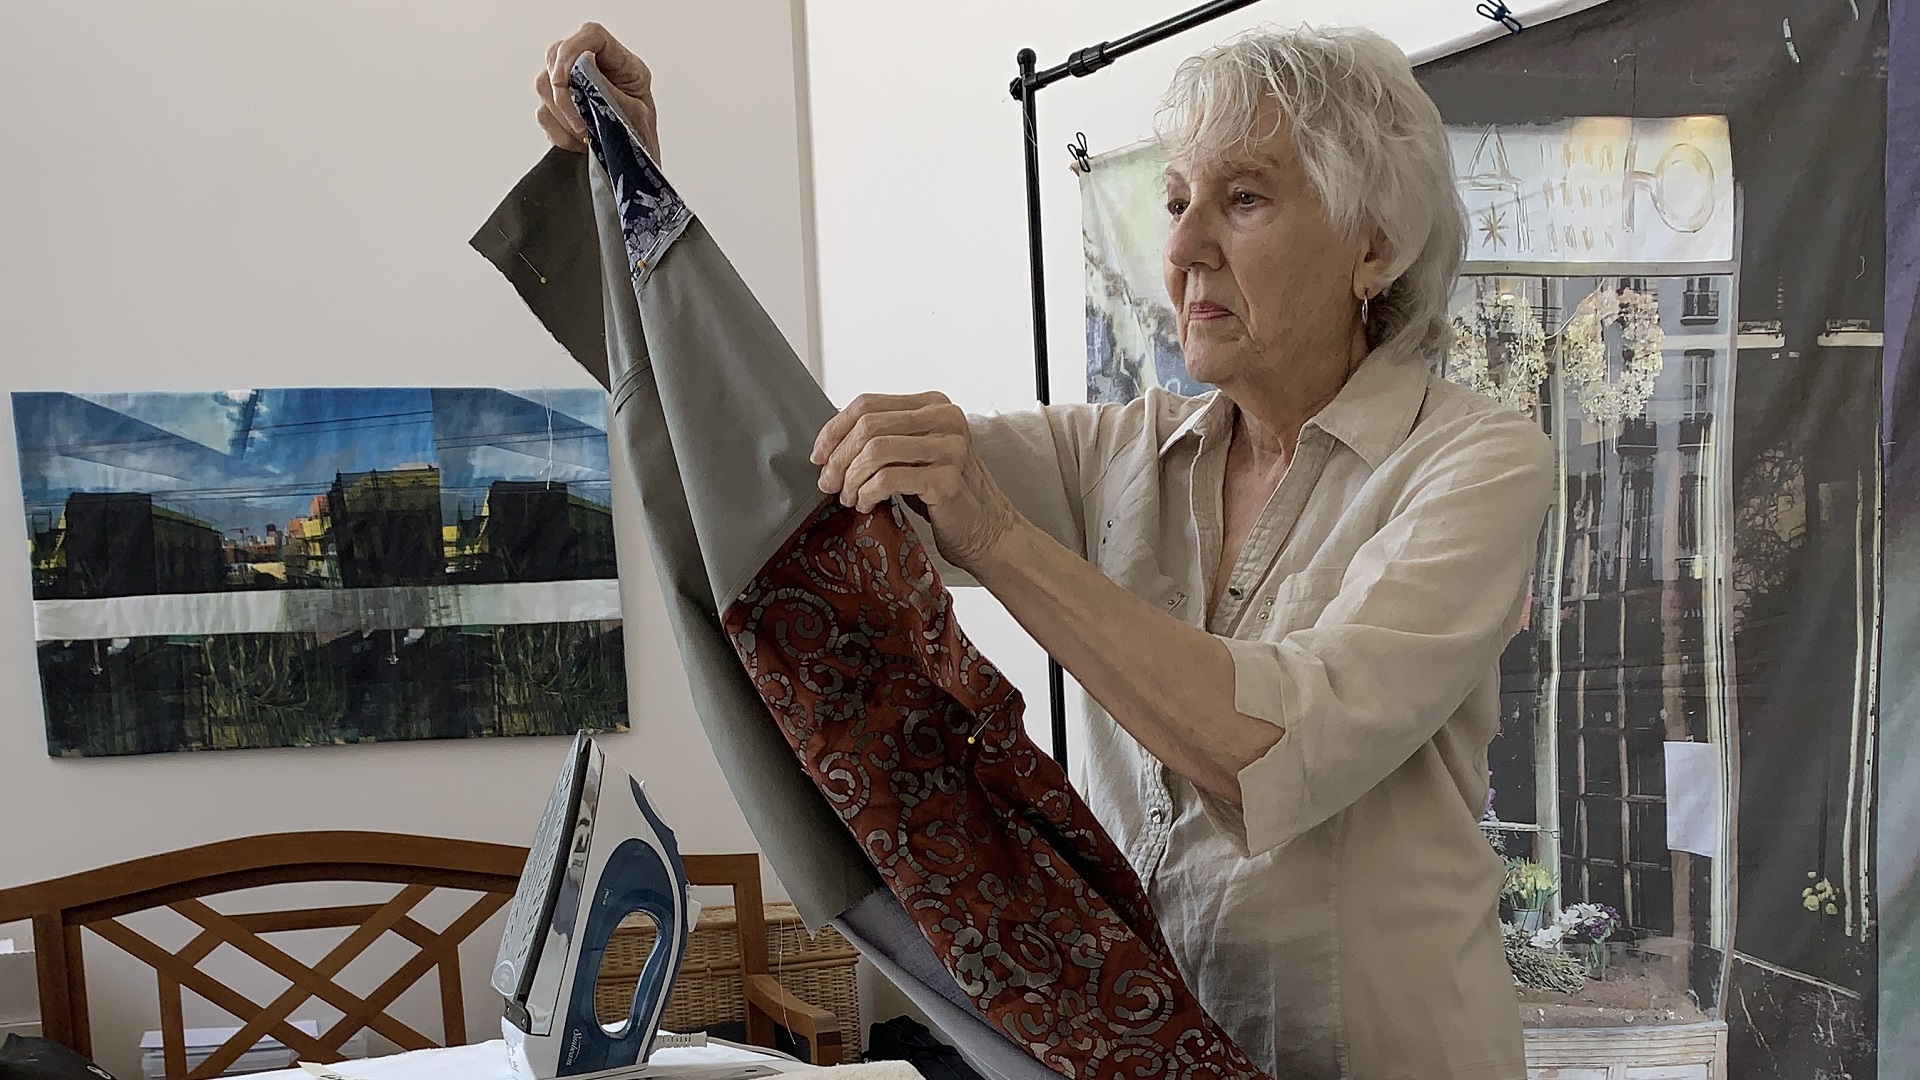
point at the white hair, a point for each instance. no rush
(1369, 138)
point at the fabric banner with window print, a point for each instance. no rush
(1676, 265)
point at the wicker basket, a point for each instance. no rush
(818, 969)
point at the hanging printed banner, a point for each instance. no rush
(1597, 189)
(252, 568)
(1133, 341)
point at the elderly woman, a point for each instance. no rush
(1285, 598)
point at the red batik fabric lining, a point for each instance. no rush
(849, 637)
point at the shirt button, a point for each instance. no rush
(1234, 591)
(1156, 815)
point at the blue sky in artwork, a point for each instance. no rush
(239, 459)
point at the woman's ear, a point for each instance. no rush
(1370, 269)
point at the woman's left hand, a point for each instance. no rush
(921, 447)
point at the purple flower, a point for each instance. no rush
(1589, 923)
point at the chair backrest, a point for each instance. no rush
(183, 880)
(764, 1001)
(742, 874)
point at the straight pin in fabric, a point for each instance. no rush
(522, 255)
(530, 266)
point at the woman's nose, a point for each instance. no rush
(1191, 241)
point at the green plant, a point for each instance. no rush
(1528, 885)
(1495, 838)
(1542, 969)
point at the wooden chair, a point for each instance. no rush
(766, 1004)
(182, 880)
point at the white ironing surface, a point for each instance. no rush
(488, 1061)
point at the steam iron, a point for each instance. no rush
(600, 855)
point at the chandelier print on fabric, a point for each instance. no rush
(1585, 354)
(1500, 323)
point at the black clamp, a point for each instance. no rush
(1498, 11)
(1089, 60)
(1077, 150)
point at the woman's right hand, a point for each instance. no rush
(626, 76)
(919, 446)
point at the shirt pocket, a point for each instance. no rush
(1298, 602)
(1122, 523)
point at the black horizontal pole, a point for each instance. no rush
(1082, 62)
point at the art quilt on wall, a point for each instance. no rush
(305, 567)
(1677, 264)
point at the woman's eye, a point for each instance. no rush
(1245, 198)
(1176, 207)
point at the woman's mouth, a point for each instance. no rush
(1206, 309)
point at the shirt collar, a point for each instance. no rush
(1372, 414)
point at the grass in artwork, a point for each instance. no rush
(243, 691)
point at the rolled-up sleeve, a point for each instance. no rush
(1421, 614)
(1041, 459)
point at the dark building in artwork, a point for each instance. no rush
(537, 531)
(121, 544)
(386, 528)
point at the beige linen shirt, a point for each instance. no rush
(1342, 921)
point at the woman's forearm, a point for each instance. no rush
(1170, 685)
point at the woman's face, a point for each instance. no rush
(1262, 284)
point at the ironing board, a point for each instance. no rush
(488, 1061)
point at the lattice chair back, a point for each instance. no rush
(182, 881)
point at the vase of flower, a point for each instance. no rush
(1527, 888)
(1596, 958)
(1586, 928)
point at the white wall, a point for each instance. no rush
(920, 199)
(228, 193)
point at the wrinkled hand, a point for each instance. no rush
(626, 75)
(917, 446)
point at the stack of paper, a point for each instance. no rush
(266, 1055)
(19, 992)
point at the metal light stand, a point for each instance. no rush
(1080, 63)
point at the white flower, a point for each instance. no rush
(1547, 937)
(1584, 352)
(1510, 320)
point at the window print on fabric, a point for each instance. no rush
(917, 741)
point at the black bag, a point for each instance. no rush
(906, 1039)
(23, 1058)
